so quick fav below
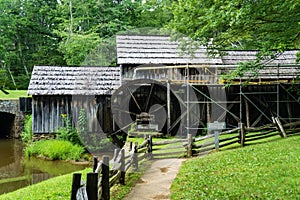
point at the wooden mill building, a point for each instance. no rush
(63, 91)
(271, 92)
(184, 91)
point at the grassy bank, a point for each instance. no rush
(52, 189)
(60, 187)
(13, 94)
(262, 171)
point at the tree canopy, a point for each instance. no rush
(65, 32)
(71, 32)
(264, 25)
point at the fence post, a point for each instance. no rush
(150, 143)
(92, 186)
(242, 134)
(216, 134)
(190, 145)
(75, 185)
(95, 163)
(135, 157)
(105, 178)
(279, 125)
(122, 167)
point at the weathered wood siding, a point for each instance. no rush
(48, 111)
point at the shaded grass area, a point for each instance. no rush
(13, 94)
(52, 189)
(60, 187)
(263, 171)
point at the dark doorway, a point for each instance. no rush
(6, 124)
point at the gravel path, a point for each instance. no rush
(157, 180)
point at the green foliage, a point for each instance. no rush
(68, 132)
(55, 150)
(82, 124)
(263, 25)
(26, 134)
(270, 26)
(263, 171)
(76, 47)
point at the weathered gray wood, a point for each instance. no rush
(92, 186)
(202, 145)
(242, 134)
(75, 185)
(135, 157)
(169, 142)
(52, 80)
(283, 133)
(190, 145)
(216, 134)
(122, 168)
(95, 163)
(247, 113)
(251, 135)
(261, 137)
(105, 178)
(114, 179)
(81, 194)
(228, 143)
(150, 147)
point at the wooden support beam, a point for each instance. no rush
(283, 133)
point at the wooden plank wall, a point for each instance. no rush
(48, 111)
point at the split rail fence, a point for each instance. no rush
(108, 172)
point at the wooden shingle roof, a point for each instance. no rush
(53, 80)
(141, 49)
(147, 49)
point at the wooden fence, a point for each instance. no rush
(107, 173)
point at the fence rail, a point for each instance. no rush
(108, 172)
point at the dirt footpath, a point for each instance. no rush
(157, 180)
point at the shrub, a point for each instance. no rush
(68, 132)
(55, 150)
(26, 135)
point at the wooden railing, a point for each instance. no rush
(106, 173)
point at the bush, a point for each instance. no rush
(68, 132)
(26, 135)
(55, 150)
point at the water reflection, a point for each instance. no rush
(17, 172)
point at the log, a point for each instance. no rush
(283, 133)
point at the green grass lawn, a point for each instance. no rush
(52, 189)
(263, 171)
(13, 94)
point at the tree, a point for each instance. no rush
(27, 38)
(267, 26)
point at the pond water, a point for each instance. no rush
(17, 172)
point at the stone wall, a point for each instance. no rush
(12, 107)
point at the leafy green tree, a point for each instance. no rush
(238, 24)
